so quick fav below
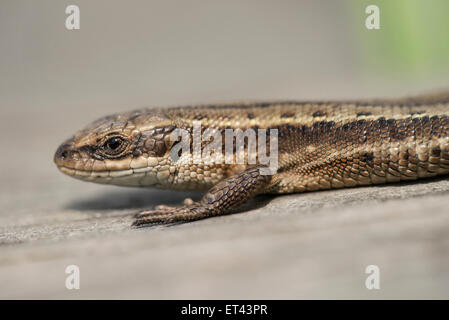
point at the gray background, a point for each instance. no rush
(130, 54)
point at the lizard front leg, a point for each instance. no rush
(221, 198)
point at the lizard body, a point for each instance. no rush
(321, 145)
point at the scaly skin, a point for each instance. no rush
(321, 145)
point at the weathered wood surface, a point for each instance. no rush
(314, 245)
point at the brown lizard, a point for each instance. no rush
(320, 145)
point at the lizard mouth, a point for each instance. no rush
(91, 173)
(128, 177)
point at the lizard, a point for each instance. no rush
(320, 145)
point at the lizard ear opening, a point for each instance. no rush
(157, 141)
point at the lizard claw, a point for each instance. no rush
(168, 215)
(154, 217)
(151, 220)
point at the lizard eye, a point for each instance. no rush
(114, 145)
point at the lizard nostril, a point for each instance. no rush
(62, 151)
(64, 154)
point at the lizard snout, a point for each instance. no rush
(65, 153)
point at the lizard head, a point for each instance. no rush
(131, 149)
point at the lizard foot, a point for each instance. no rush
(167, 214)
(221, 198)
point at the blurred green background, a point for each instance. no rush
(413, 38)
